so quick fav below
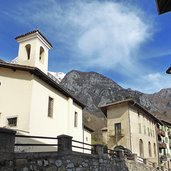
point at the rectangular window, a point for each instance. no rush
(144, 130)
(148, 131)
(139, 125)
(50, 107)
(12, 122)
(75, 119)
(117, 129)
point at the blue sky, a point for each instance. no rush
(124, 40)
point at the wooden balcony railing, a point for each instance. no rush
(162, 145)
(169, 134)
(120, 133)
(160, 132)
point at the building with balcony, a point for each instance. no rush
(132, 126)
(164, 143)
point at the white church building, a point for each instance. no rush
(31, 102)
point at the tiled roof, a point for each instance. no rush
(130, 102)
(34, 31)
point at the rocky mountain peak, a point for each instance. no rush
(94, 90)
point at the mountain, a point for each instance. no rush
(57, 76)
(94, 90)
(161, 101)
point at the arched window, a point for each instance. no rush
(149, 149)
(28, 49)
(141, 147)
(41, 54)
(154, 149)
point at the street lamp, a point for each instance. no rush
(163, 6)
(168, 71)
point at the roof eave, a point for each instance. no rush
(37, 72)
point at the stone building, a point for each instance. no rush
(31, 102)
(132, 126)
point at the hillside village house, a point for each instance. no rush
(33, 103)
(164, 141)
(130, 125)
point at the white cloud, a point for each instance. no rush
(100, 34)
(157, 81)
(150, 83)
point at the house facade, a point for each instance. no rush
(33, 103)
(130, 125)
(164, 143)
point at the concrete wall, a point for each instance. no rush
(62, 121)
(135, 125)
(15, 101)
(36, 42)
(118, 114)
(25, 96)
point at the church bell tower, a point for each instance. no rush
(33, 50)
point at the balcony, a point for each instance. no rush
(160, 132)
(170, 145)
(169, 134)
(119, 134)
(162, 145)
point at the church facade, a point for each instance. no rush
(31, 102)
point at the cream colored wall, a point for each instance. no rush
(34, 54)
(146, 123)
(118, 114)
(15, 98)
(130, 120)
(76, 131)
(26, 96)
(87, 139)
(62, 121)
(105, 136)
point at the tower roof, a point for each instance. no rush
(32, 32)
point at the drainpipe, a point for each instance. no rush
(130, 123)
(129, 128)
(157, 145)
(83, 136)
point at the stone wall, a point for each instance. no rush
(135, 166)
(69, 161)
(62, 160)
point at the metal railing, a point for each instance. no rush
(78, 146)
(140, 159)
(35, 144)
(83, 146)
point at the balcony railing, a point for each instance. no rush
(170, 145)
(162, 145)
(169, 134)
(120, 133)
(160, 132)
